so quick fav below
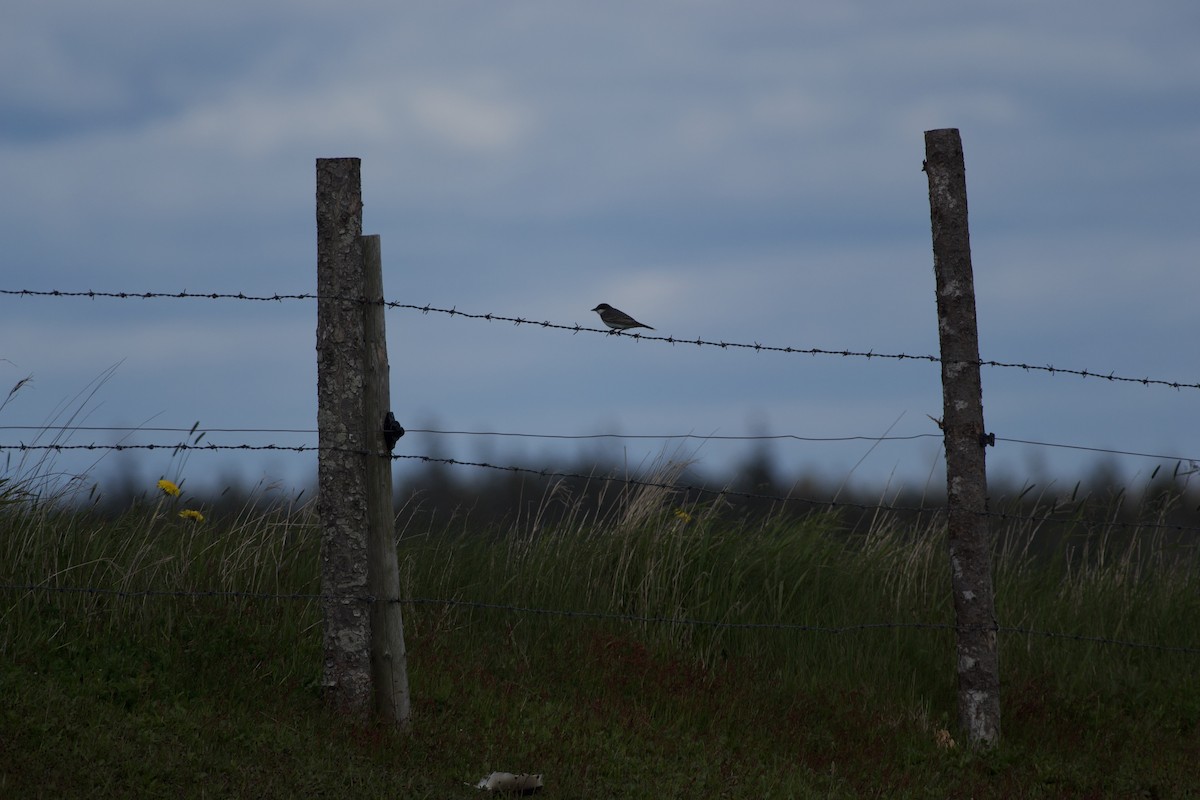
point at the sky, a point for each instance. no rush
(743, 172)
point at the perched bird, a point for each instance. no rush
(617, 320)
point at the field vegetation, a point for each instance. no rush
(625, 641)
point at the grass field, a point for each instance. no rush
(109, 695)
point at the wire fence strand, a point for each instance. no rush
(1069, 516)
(1049, 369)
(453, 312)
(699, 437)
(814, 351)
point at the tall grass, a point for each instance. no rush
(690, 579)
(762, 629)
(151, 577)
(878, 600)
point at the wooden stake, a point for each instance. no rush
(966, 475)
(389, 668)
(341, 474)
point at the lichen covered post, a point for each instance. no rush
(341, 474)
(389, 665)
(970, 540)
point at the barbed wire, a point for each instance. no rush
(1103, 450)
(594, 436)
(542, 472)
(547, 472)
(512, 434)
(179, 447)
(610, 616)
(758, 347)
(149, 429)
(576, 328)
(159, 295)
(784, 499)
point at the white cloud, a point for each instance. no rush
(748, 173)
(474, 121)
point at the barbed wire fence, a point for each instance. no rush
(363, 300)
(686, 489)
(176, 447)
(756, 347)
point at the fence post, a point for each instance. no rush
(341, 473)
(966, 475)
(389, 666)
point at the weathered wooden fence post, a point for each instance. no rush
(341, 474)
(966, 475)
(363, 639)
(389, 667)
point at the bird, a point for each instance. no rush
(617, 320)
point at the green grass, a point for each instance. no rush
(168, 696)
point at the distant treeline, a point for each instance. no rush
(439, 495)
(435, 496)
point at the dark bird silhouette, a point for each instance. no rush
(617, 320)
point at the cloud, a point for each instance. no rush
(742, 174)
(474, 121)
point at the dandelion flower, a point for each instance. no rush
(192, 514)
(682, 515)
(168, 488)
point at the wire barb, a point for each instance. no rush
(576, 328)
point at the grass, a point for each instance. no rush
(217, 696)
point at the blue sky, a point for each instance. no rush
(743, 172)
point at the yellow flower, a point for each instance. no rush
(192, 514)
(682, 515)
(168, 488)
